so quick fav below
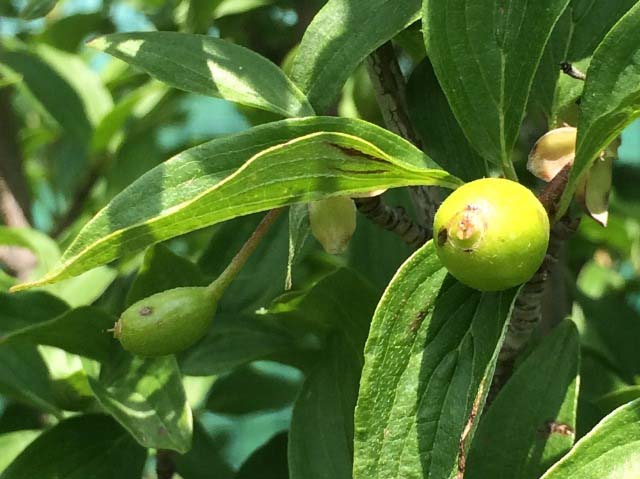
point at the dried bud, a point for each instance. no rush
(552, 152)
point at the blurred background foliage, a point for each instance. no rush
(80, 126)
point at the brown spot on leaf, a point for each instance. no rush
(552, 427)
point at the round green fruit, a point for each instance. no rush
(166, 322)
(491, 234)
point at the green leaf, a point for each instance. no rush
(610, 451)
(22, 310)
(325, 406)
(80, 447)
(299, 230)
(617, 398)
(108, 134)
(439, 130)
(267, 462)
(162, 269)
(611, 98)
(485, 55)
(63, 84)
(429, 359)
(234, 7)
(234, 340)
(256, 387)
(327, 400)
(204, 459)
(576, 35)
(268, 166)
(24, 376)
(146, 396)
(340, 37)
(78, 291)
(80, 331)
(69, 32)
(37, 8)
(209, 66)
(531, 423)
(13, 443)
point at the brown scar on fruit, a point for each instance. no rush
(552, 427)
(443, 235)
(146, 311)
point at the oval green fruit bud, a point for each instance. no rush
(166, 322)
(491, 234)
(333, 222)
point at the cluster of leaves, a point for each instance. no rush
(374, 365)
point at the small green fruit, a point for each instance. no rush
(491, 234)
(333, 222)
(166, 322)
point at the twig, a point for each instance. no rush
(165, 464)
(389, 85)
(80, 198)
(395, 220)
(241, 257)
(527, 311)
(14, 198)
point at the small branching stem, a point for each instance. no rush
(389, 86)
(218, 286)
(395, 220)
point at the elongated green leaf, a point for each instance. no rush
(611, 98)
(325, 406)
(37, 8)
(441, 135)
(80, 331)
(209, 66)
(82, 446)
(428, 362)
(328, 398)
(13, 443)
(146, 396)
(204, 459)
(162, 269)
(340, 37)
(532, 422)
(24, 376)
(234, 340)
(256, 387)
(62, 83)
(23, 310)
(610, 451)
(577, 34)
(265, 167)
(485, 55)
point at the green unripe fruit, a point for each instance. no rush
(491, 234)
(333, 222)
(166, 322)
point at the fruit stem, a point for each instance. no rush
(220, 284)
(509, 171)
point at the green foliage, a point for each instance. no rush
(142, 143)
